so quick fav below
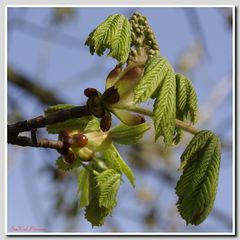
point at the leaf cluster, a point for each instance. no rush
(174, 97)
(114, 33)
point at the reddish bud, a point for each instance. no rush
(95, 106)
(69, 157)
(106, 123)
(111, 95)
(79, 140)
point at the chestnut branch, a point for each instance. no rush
(29, 142)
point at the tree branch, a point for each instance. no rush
(44, 95)
(43, 121)
(28, 142)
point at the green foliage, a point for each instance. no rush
(108, 182)
(174, 97)
(112, 155)
(197, 186)
(84, 187)
(155, 71)
(95, 214)
(101, 197)
(186, 98)
(197, 144)
(114, 33)
(159, 82)
(124, 134)
(186, 103)
(164, 112)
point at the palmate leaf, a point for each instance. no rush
(124, 134)
(155, 72)
(197, 186)
(108, 182)
(114, 33)
(164, 112)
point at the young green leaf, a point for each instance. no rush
(155, 72)
(108, 182)
(186, 98)
(124, 134)
(114, 33)
(112, 155)
(197, 186)
(192, 104)
(84, 187)
(95, 214)
(164, 112)
(181, 94)
(197, 144)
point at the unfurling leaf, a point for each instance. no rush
(113, 157)
(164, 112)
(93, 212)
(186, 98)
(124, 134)
(154, 73)
(197, 186)
(108, 182)
(115, 34)
(84, 187)
(196, 144)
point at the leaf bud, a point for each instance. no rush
(106, 123)
(111, 96)
(89, 92)
(79, 140)
(69, 156)
(95, 106)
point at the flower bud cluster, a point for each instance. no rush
(143, 36)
